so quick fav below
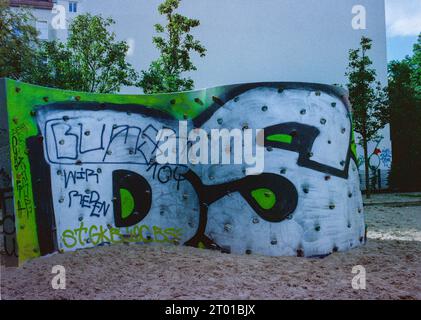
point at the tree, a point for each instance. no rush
(405, 117)
(91, 60)
(416, 62)
(368, 100)
(18, 40)
(175, 46)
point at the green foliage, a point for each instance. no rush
(405, 114)
(416, 62)
(368, 99)
(175, 44)
(18, 40)
(91, 60)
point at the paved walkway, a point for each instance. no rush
(394, 199)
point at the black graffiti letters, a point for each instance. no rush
(69, 142)
(138, 190)
(92, 201)
(79, 175)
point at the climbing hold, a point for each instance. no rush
(172, 101)
(33, 113)
(227, 227)
(61, 142)
(303, 111)
(300, 253)
(255, 220)
(77, 98)
(318, 93)
(283, 171)
(317, 228)
(78, 162)
(333, 104)
(264, 108)
(220, 121)
(323, 121)
(99, 170)
(87, 133)
(45, 99)
(248, 251)
(17, 89)
(236, 99)
(198, 101)
(218, 101)
(331, 206)
(274, 242)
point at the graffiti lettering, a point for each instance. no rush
(82, 175)
(97, 235)
(90, 201)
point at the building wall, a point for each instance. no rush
(256, 40)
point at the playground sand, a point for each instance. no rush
(391, 258)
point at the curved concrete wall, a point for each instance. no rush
(85, 171)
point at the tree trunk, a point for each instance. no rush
(366, 165)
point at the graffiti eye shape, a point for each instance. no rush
(271, 196)
(291, 136)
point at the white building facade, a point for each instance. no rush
(252, 41)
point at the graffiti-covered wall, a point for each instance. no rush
(85, 171)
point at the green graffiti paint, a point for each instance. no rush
(22, 125)
(264, 197)
(127, 203)
(103, 234)
(283, 138)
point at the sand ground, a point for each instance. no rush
(392, 259)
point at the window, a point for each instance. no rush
(72, 6)
(42, 28)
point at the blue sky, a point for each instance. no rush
(403, 21)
